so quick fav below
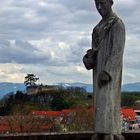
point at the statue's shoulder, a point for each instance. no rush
(116, 20)
(96, 28)
(111, 21)
(119, 24)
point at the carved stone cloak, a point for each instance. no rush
(108, 40)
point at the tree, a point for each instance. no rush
(30, 80)
(60, 103)
(82, 115)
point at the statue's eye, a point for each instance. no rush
(100, 3)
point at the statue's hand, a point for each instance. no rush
(103, 78)
(90, 59)
(89, 53)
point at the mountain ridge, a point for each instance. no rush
(129, 87)
(7, 87)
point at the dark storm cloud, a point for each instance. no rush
(23, 52)
(19, 52)
(60, 19)
(31, 20)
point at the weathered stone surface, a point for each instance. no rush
(105, 58)
(107, 90)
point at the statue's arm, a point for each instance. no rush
(90, 58)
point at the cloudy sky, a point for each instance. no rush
(50, 37)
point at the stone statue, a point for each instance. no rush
(105, 58)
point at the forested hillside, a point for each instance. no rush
(44, 100)
(57, 100)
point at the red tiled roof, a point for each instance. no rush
(47, 113)
(90, 110)
(66, 112)
(128, 114)
(4, 128)
(44, 127)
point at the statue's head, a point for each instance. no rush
(104, 7)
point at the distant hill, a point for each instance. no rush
(131, 87)
(89, 87)
(13, 87)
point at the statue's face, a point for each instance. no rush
(103, 7)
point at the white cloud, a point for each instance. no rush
(50, 38)
(11, 72)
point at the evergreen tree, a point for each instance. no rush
(30, 80)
